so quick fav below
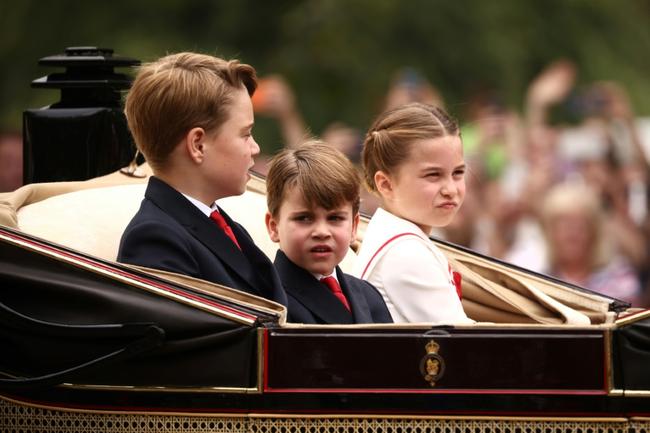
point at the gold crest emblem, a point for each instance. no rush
(432, 365)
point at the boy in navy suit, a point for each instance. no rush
(191, 117)
(313, 213)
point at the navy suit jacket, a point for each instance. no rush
(168, 232)
(310, 301)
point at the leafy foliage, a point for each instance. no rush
(340, 56)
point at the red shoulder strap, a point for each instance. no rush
(382, 247)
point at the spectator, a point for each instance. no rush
(578, 247)
(275, 98)
(409, 85)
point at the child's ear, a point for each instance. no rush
(194, 143)
(272, 227)
(384, 184)
(355, 225)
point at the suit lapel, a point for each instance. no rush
(356, 298)
(258, 263)
(310, 292)
(201, 227)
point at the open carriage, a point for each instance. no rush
(89, 344)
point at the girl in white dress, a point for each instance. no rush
(413, 160)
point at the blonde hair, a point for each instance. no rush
(576, 197)
(388, 141)
(324, 176)
(179, 92)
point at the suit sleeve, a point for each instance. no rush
(418, 284)
(154, 245)
(378, 309)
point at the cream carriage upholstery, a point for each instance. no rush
(90, 217)
(87, 216)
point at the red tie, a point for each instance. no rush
(223, 225)
(336, 289)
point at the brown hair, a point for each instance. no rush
(576, 197)
(388, 141)
(179, 92)
(324, 176)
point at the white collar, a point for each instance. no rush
(207, 210)
(321, 276)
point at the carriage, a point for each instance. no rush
(89, 344)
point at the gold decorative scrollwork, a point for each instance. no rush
(432, 366)
(16, 417)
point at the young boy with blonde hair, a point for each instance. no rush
(191, 117)
(313, 213)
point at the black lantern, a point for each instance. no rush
(85, 134)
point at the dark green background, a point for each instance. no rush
(338, 55)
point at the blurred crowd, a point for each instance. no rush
(560, 187)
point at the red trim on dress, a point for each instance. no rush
(382, 247)
(454, 276)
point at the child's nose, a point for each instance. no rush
(448, 189)
(320, 229)
(255, 148)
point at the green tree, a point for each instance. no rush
(340, 56)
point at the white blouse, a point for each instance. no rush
(409, 270)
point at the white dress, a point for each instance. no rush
(410, 272)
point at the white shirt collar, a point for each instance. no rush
(320, 276)
(207, 210)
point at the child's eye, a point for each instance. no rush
(433, 174)
(302, 218)
(336, 218)
(459, 173)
